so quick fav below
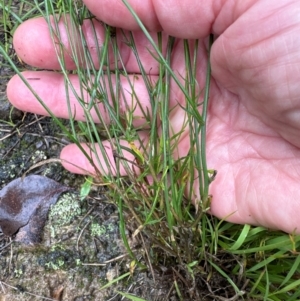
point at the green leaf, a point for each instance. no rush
(110, 283)
(86, 188)
(131, 297)
(241, 238)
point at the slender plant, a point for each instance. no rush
(253, 263)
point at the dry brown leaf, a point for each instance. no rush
(24, 205)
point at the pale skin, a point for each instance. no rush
(254, 112)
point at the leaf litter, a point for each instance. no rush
(24, 206)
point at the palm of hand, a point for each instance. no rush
(258, 169)
(252, 135)
(252, 124)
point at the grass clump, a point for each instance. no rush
(204, 257)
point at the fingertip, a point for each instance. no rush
(36, 45)
(33, 45)
(17, 93)
(74, 160)
(10, 89)
(96, 160)
(20, 91)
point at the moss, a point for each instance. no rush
(64, 211)
(97, 230)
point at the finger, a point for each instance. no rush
(52, 90)
(117, 10)
(35, 46)
(111, 158)
(182, 19)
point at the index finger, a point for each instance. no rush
(36, 46)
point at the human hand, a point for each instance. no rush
(253, 118)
